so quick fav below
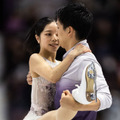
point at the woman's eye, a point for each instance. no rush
(48, 34)
(56, 34)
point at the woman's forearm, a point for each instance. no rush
(59, 70)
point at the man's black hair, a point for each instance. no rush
(77, 16)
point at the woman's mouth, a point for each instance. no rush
(54, 45)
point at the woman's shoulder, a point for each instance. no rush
(35, 57)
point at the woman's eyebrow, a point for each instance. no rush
(47, 30)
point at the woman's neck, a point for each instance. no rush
(50, 56)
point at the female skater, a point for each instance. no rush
(45, 69)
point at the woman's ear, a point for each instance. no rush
(37, 38)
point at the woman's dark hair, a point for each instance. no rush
(31, 44)
(78, 16)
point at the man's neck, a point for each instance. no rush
(71, 44)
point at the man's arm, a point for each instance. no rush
(103, 91)
(104, 99)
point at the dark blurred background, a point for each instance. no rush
(17, 17)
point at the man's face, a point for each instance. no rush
(62, 34)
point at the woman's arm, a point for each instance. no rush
(40, 66)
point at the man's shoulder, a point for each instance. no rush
(84, 59)
(85, 56)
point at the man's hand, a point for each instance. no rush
(68, 101)
(29, 78)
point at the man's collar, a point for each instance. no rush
(83, 42)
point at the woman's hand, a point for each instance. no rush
(79, 49)
(68, 101)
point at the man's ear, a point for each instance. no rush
(37, 38)
(70, 30)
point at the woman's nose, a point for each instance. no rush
(55, 37)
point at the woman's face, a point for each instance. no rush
(49, 38)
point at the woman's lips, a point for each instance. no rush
(54, 45)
